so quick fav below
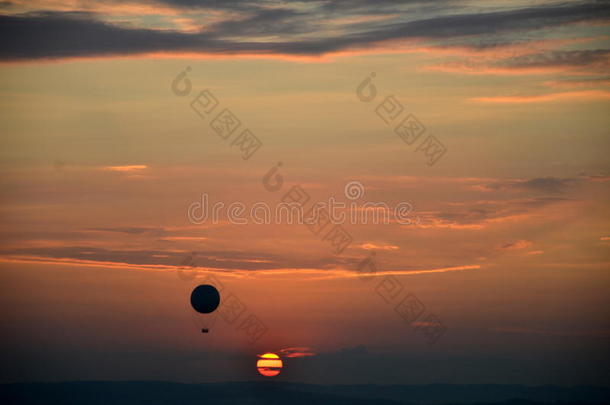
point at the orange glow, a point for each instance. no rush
(128, 168)
(541, 98)
(269, 364)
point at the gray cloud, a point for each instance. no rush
(578, 58)
(551, 185)
(218, 4)
(264, 22)
(55, 35)
(216, 259)
(544, 185)
(132, 230)
(61, 34)
(479, 213)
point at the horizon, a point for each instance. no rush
(383, 192)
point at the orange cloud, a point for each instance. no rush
(294, 352)
(129, 168)
(577, 83)
(236, 273)
(353, 274)
(587, 95)
(373, 246)
(102, 8)
(475, 69)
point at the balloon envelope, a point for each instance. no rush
(205, 298)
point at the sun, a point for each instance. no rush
(269, 364)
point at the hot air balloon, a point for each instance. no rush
(205, 299)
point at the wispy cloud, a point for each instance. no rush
(531, 59)
(517, 245)
(296, 352)
(377, 246)
(546, 185)
(132, 230)
(295, 30)
(128, 168)
(575, 83)
(479, 215)
(312, 274)
(585, 95)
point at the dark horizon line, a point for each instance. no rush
(279, 381)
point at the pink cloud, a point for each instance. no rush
(129, 168)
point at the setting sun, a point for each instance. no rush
(269, 364)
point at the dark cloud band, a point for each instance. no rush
(64, 35)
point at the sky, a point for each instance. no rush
(486, 123)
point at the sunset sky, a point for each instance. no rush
(102, 154)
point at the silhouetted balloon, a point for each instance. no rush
(205, 298)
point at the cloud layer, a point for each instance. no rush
(287, 28)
